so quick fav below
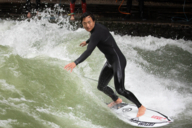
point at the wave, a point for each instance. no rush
(34, 85)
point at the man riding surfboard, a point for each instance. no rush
(115, 65)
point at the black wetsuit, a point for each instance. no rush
(28, 5)
(115, 65)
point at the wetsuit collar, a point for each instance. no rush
(93, 28)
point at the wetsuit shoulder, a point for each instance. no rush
(100, 29)
(101, 32)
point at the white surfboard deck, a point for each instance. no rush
(151, 118)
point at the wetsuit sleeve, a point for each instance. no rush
(87, 41)
(94, 40)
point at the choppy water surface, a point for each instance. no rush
(36, 92)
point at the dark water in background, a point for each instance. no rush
(36, 92)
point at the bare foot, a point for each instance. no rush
(141, 111)
(72, 18)
(118, 101)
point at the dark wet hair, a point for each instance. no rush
(87, 14)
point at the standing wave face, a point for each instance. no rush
(35, 90)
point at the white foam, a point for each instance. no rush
(154, 92)
(5, 86)
(152, 43)
(7, 123)
(78, 121)
(36, 38)
(22, 99)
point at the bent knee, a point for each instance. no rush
(120, 91)
(123, 92)
(99, 87)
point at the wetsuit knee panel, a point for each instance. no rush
(120, 91)
(99, 87)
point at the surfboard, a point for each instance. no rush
(151, 118)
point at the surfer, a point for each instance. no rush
(115, 65)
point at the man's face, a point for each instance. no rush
(88, 23)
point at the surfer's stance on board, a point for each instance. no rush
(115, 65)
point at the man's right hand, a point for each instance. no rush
(70, 66)
(83, 44)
